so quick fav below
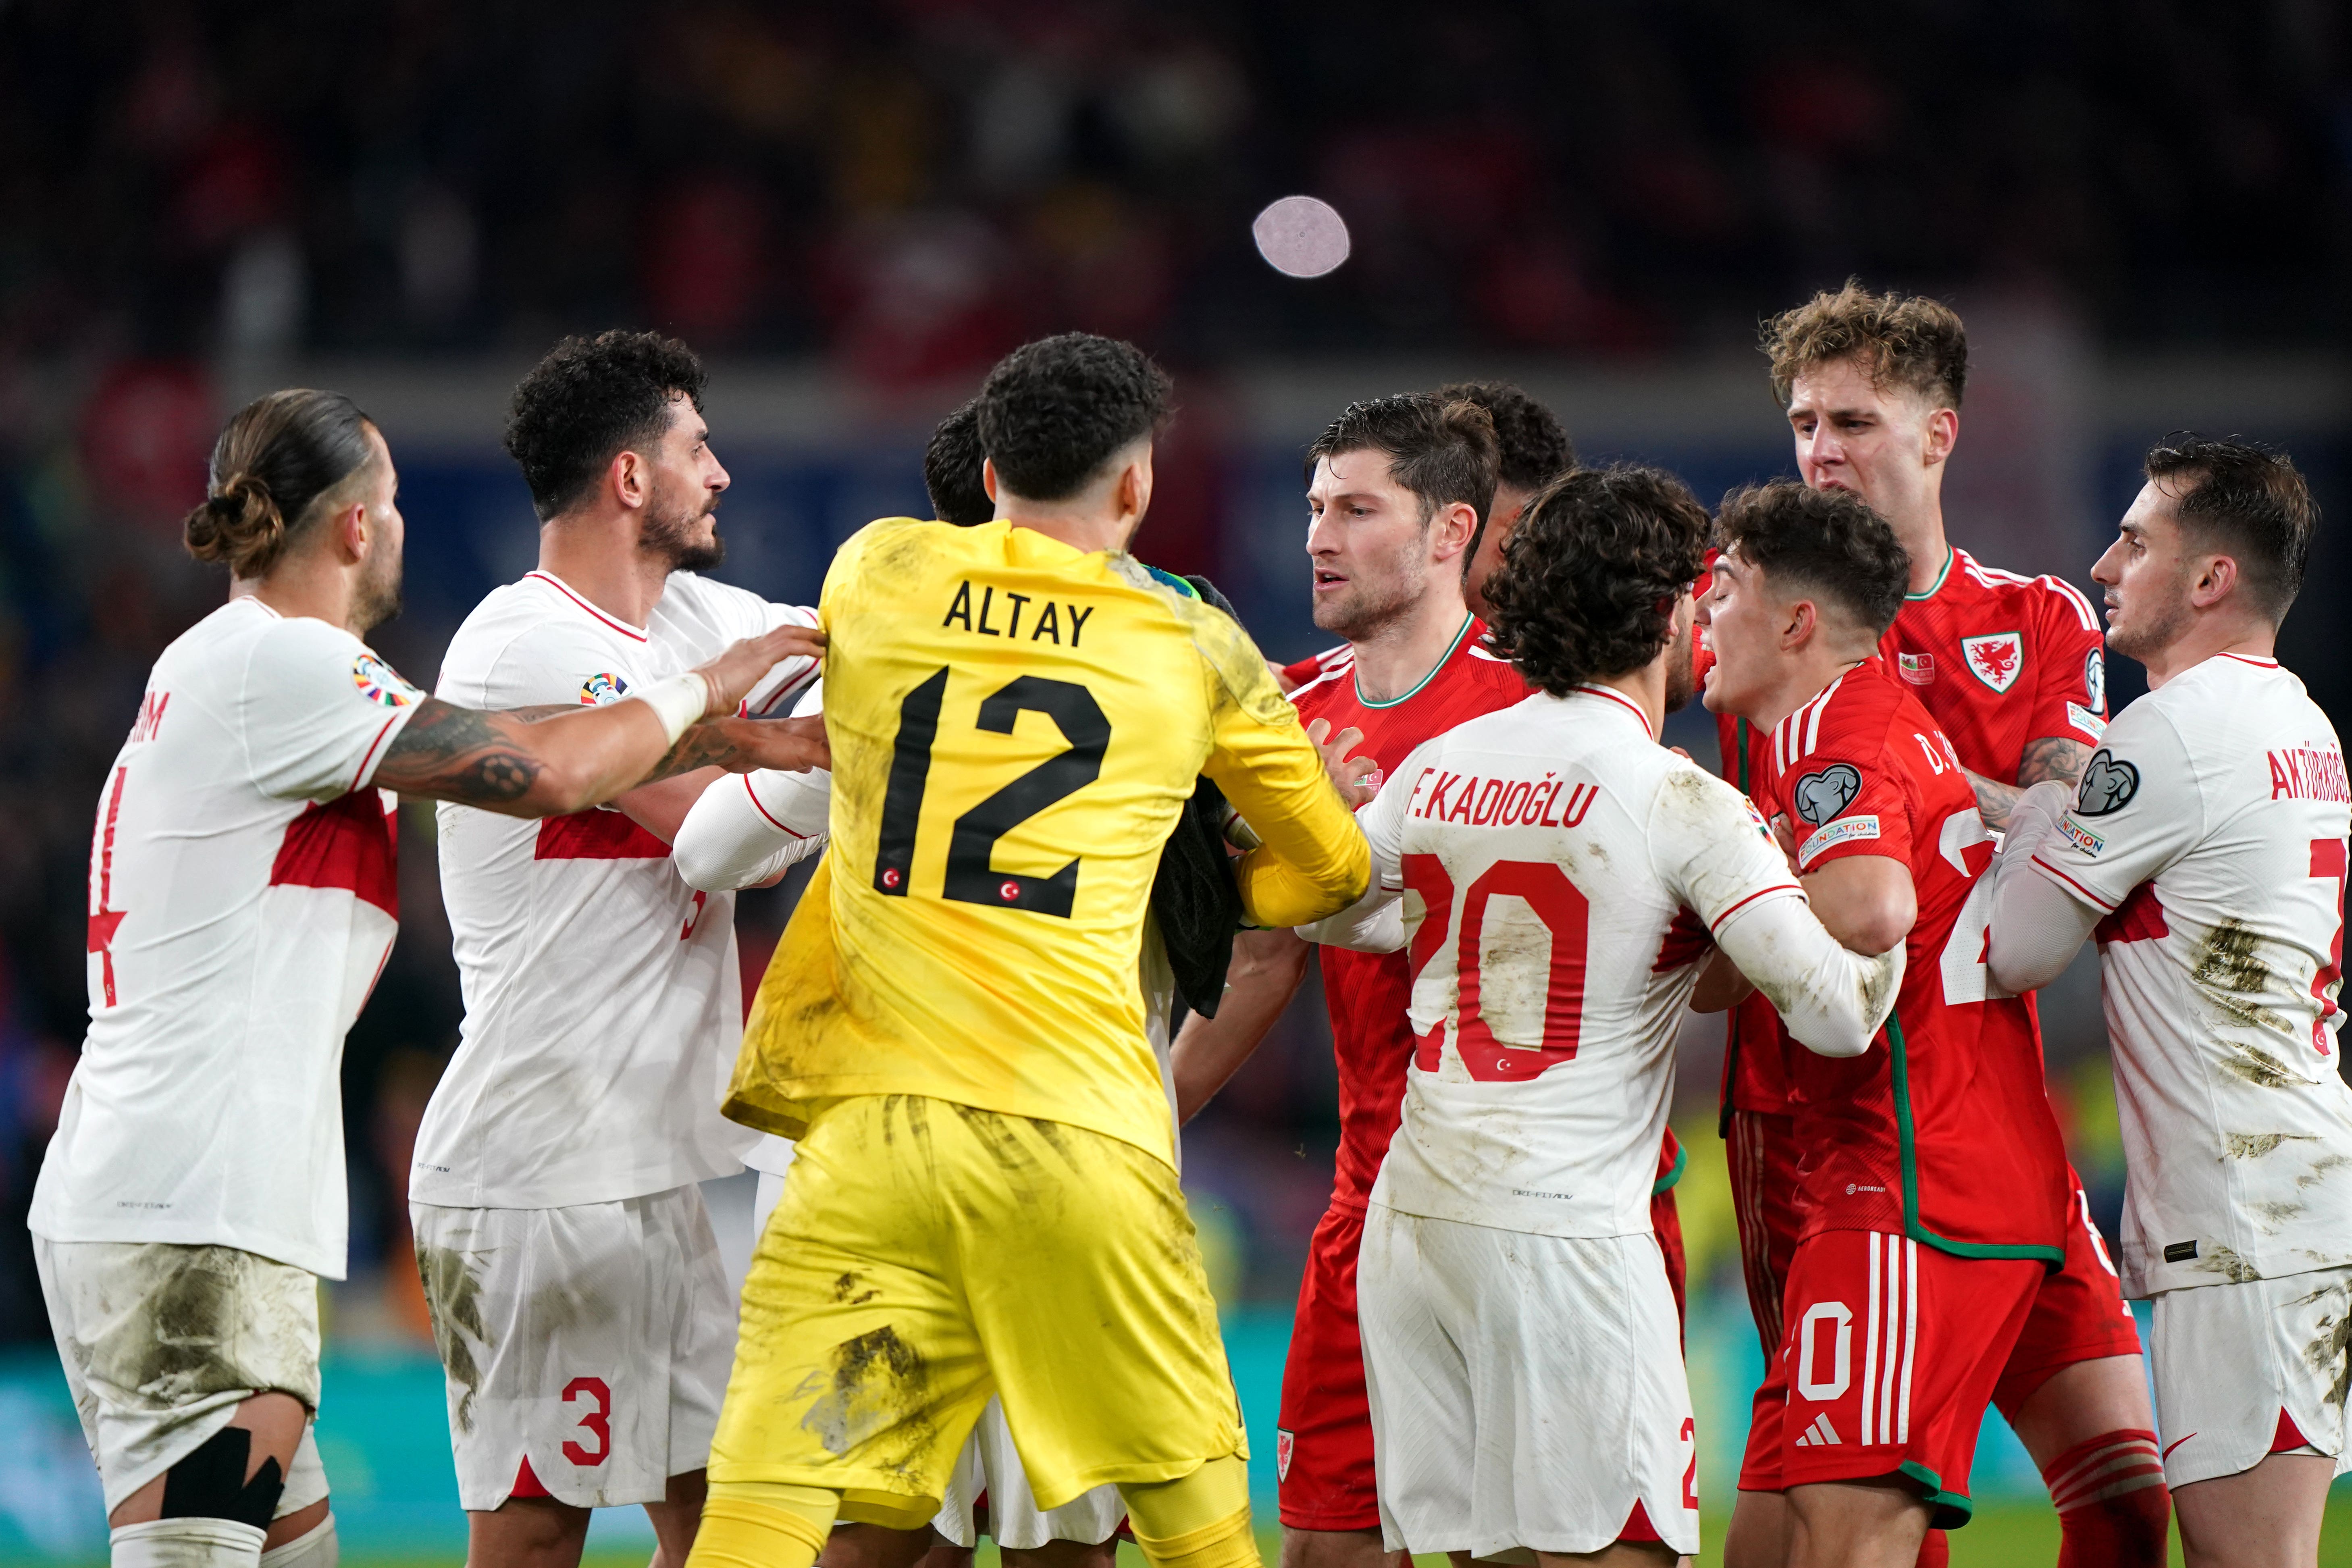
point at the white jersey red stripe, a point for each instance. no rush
(603, 995)
(243, 899)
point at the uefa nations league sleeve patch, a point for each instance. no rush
(380, 683)
(2108, 785)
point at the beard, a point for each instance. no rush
(1682, 679)
(1366, 607)
(670, 532)
(2156, 629)
(375, 598)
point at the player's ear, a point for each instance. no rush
(1452, 529)
(1134, 496)
(1943, 433)
(630, 478)
(1799, 622)
(2214, 583)
(988, 476)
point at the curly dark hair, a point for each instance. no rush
(1825, 543)
(951, 470)
(1903, 340)
(1054, 412)
(590, 400)
(1589, 575)
(1443, 450)
(1534, 444)
(2250, 502)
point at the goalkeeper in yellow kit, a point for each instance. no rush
(985, 1197)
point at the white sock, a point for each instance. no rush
(186, 1543)
(316, 1549)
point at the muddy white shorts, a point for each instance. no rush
(988, 1480)
(162, 1344)
(1528, 1392)
(2245, 1370)
(585, 1349)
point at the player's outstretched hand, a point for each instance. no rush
(733, 673)
(1357, 779)
(786, 745)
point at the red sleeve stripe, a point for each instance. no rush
(1716, 923)
(369, 760)
(764, 811)
(2070, 881)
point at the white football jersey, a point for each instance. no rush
(241, 902)
(1561, 874)
(604, 999)
(2211, 826)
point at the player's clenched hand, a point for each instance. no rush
(786, 745)
(1355, 778)
(735, 672)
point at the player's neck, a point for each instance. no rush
(2210, 639)
(1646, 688)
(1803, 678)
(1920, 531)
(1399, 654)
(308, 587)
(598, 559)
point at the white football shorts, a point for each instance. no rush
(1527, 1391)
(989, 1469)
(2230, 1359)
(590, 1344)
(162, 1342)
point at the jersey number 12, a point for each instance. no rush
(972, 846)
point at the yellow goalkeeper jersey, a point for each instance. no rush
(1015, 726)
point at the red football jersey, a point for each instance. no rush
(1754, 1077)
(1941, 1131)
(2001, 660)
(1367, 993)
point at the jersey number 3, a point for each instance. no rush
(972, 847)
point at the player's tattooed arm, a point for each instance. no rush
(462, 754)
(2050, 757)
(739, 745)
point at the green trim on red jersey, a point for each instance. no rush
(1356, 675)
(1899, 1086)
(1950, 555)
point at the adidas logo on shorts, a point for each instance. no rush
(1820, 1435)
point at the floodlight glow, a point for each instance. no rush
(1301, 236)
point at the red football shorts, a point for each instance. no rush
(2078, 1314)
(1323, 1440)
(1889, 1356)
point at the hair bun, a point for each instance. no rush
(239, 522)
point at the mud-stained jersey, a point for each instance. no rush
(1366, 994)
(242, 901)
(2210, 828)
(1015, 726)
(1563, 876)
(1942, 1132)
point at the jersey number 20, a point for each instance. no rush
(970, 878)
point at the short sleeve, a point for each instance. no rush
(318, 709)
(2138, 810)
(2070, 696)
(1711, 849)
(1848, 796)
(775, 692)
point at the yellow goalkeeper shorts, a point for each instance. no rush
(927, 1254)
